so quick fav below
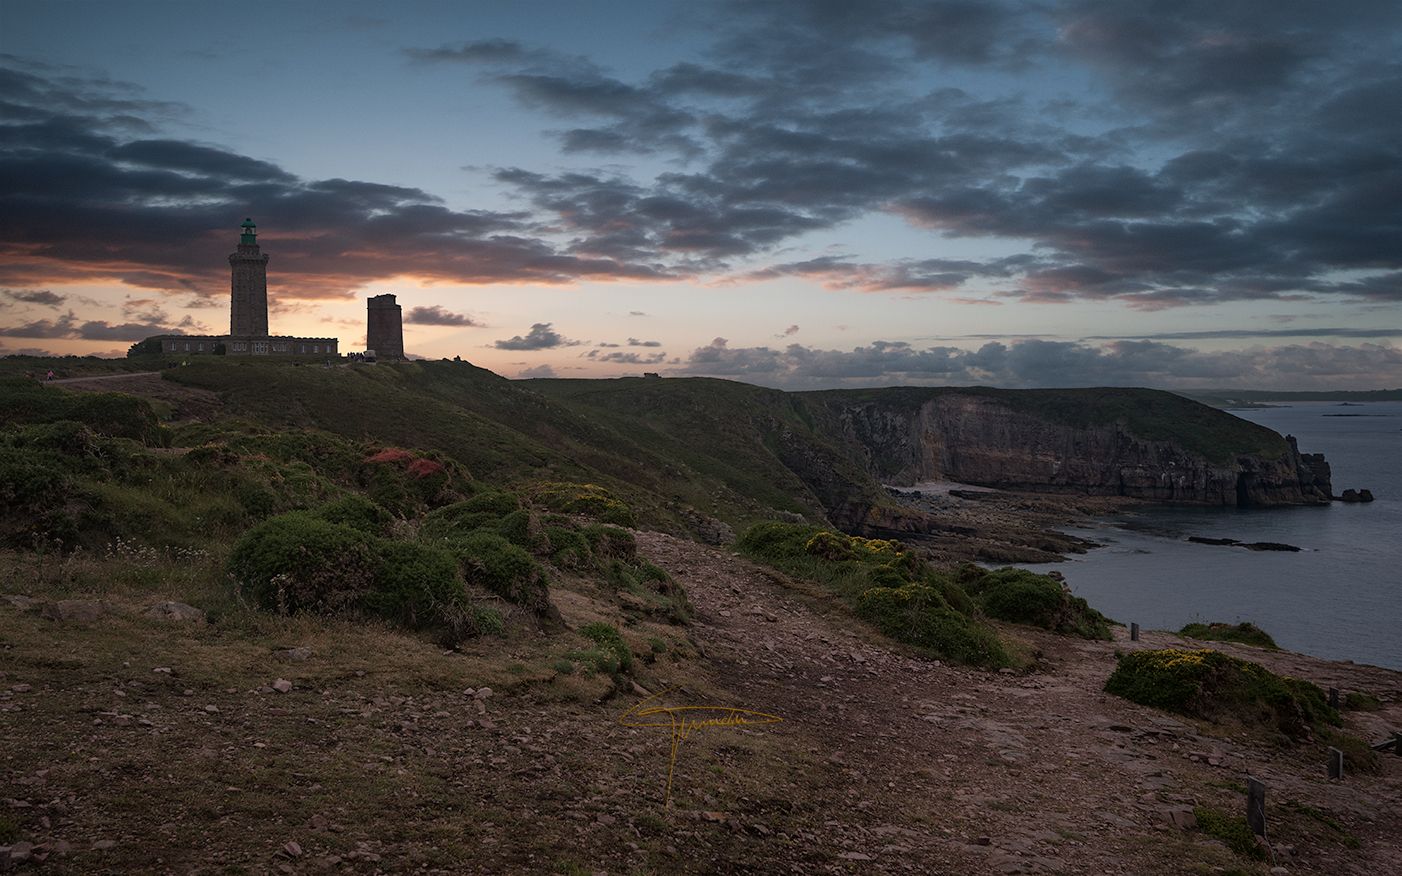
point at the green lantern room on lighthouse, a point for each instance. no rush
(250, 232)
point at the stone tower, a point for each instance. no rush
(384, 331)
(248, 308)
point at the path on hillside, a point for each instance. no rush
(121, 376)
(956, 770)
(187, 402)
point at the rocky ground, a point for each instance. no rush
(140, 737)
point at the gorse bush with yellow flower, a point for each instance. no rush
(891, 587)
(1216, 687)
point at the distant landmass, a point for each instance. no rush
(1237, 398)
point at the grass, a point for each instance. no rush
(1358, 701)
(1335, 827)
(1231, 830)
(1244, 633)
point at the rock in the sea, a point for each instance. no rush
(1356, 496)
(175, 611)
(1218, 541)
(1270, 546)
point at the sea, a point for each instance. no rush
(1340, 597)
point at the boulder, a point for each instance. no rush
(75, 611)
(175, 611)
(710, 530)
(24, 603)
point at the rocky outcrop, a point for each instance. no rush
(984, 439)
(1356, 496)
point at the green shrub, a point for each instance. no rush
(611, 641)
(1358, 701)
(886, 585)
(415, 584)
(1242, 633)
(569, 548)
(298, 562)
(488, 620)
(486, 509)
(42, 502)
(491, 561)
(775, 541)
(68, 437)
(405, 482)
(1359, 756)
(918, 614)
(357, 512)
(1213, 686)
(610, 542)
(106, 413)
(1022, 597)
(586, 500)
(1232, 830)
(255, 498)
(656, 592)
(523, 528)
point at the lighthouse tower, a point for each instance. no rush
(248, 307)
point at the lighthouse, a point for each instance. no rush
(248, 305)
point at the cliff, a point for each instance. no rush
(1148, 445)
(676, 448)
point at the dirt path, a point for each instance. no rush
(954, 770)
(187, 402)
(122, 376)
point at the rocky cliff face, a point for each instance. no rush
(978, 439)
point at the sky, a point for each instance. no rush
(794, 193)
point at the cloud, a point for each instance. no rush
(1153, 186)
(69, 326)
(1042, 363)
(34, 296)
(1118, 150)
(627, 358)
(636, 313)
(535, 372)
(790, 331)
(634, 342)
(1260, 333)
(84, 200)
(27, 351)
(436, 315)
(541, 337)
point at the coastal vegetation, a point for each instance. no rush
(942, 612)
(307, 521)
(1219, 688)
(1022, 597)
(1244, 633)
